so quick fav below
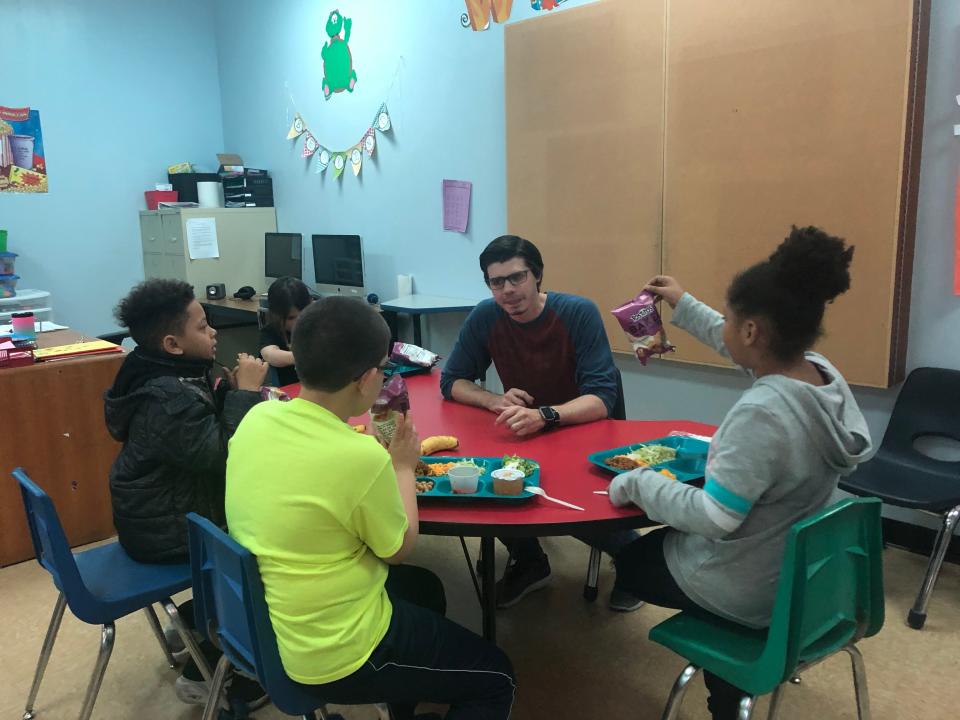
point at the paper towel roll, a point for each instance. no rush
(210, 194)
(404, 285)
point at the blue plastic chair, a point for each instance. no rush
(100, 585)
(231, 610)
(830, 595)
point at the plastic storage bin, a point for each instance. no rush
(7, 261)
(158, 196)
(8, 285)
(36, 301)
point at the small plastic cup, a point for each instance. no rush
(464, 479)
(507, 481)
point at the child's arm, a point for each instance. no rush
(276, 357)
(742, 466)
(697, 318)
(405, 453)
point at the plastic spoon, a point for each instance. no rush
(536, 490)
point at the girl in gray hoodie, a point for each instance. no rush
(776, 458)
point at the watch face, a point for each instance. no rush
(549, 414)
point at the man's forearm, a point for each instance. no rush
(583, 409)
(469, 393)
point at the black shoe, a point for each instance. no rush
(192, 689)
(522, 578)
(623, 601)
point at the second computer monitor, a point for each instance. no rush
(338, 265)
(283, 255)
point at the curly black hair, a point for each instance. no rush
(153, 309)
(791, 288)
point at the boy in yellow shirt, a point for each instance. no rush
(330, 515)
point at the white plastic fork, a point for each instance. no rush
(537, 490)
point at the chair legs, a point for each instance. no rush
(188, 638)
(212, 707)
(859, 682)
(775, 702)
(593, 575)
(679, 689)
(918, 613)
(746, 707)
(107, 634)
(158, 633)
(45, 651)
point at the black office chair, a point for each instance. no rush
(928, 405)
(590, 589)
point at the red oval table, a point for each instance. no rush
(565, 474)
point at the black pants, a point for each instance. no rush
(426, 658)
(642, 570)
(608, 541)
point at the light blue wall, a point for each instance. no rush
(124, 90)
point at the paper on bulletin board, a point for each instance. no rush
(456, 204)
(202, 238)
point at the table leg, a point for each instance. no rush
(489, 583)
(391, 319)
(417, 331)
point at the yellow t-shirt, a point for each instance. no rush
(318, 504)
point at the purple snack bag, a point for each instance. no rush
(641, 323)
(392, 402)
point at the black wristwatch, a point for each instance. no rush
(551, 417)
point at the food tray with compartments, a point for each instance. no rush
(441, 483)
(689, 464)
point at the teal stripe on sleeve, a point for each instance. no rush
(726, 497)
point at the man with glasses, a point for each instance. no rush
(331, 515)
(553, 358)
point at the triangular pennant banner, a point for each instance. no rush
(382, 122)
(370, 142)
(356, 160)
(297, 128)
(323, 159)
(339, 162)
(310, 145)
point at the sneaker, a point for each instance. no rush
(192, 689)
(522, 578)
(623, 601)
(175, 643)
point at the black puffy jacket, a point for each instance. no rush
(174, 427)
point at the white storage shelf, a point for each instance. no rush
(36, 301)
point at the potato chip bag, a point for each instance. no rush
(641, 323)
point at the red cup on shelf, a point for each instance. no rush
(158, 196)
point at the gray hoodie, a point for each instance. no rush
(776, 458)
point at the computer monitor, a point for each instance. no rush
(338, 265)
(283, 255)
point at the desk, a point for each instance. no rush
(564, 473)
(54, 428)
(417, 305)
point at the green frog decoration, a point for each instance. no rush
(338, 72)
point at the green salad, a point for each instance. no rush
(653, 454)
(525, 466)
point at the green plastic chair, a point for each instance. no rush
(830, 595)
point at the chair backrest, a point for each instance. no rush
(619, 411)
(51, 547)
(927, 405)
(831, 585)
(231, 610)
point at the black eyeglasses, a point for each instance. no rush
(497, 283)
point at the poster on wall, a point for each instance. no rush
(22, 165)
(338, 72)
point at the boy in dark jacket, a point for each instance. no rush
(174, 416)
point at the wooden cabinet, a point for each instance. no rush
(240, 231)
(687, 136)
(56, 432)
